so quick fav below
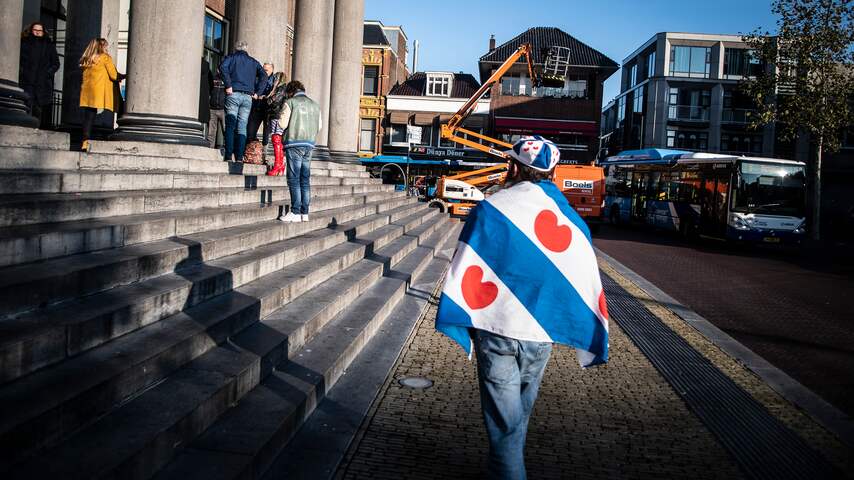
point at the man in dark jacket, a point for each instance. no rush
(39, 62)
(244, 79)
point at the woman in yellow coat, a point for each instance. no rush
(100, 80)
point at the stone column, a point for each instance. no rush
(263, 25)
(87, 19)
(346, 78)
(164, 65)
(715, 114)
(13, 100)
(313, 58)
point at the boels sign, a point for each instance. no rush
(585, 186)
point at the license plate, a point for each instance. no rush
(771, 239)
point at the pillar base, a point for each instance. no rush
(344, 157)
(13, 106)
(152, 127)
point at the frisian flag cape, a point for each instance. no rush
(525, 269)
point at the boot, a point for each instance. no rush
(279, 153)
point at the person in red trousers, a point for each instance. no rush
(275, 103)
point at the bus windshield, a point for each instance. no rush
(769, 189)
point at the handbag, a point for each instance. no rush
(254, 153)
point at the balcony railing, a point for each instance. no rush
(736, 115)
(688, 112)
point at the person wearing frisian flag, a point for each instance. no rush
(524, 276)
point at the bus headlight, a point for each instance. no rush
(801, 228)
(738, 222)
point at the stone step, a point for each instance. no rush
(29, 243)
(22, 159)
(54, 181)
(43, 338)
(147, 149)
(129, 364)
(323, 440)
(244, 442)
(12, 136)
(62, 207)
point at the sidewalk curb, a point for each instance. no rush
(803, 398)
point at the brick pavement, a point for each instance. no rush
(620, 420)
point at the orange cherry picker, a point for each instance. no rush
(583, 185)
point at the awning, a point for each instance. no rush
(545, 126)
(424, 118)
(399, 117)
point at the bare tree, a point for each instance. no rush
(807, 86)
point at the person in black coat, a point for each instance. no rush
(205, 86)
(39, 62)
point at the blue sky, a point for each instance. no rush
(454, 34)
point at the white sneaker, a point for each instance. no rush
(304, 217)
(290, 218)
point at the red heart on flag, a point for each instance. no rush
(553, 236)
(530, 143)
(524, 149)
(536, 147)
(477, 293)
(603, 304)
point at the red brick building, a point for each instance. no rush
(569, 116)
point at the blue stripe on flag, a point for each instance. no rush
(449, 319)
(557, 306)
(555, 194)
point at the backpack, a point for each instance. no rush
(253, 153)
(217, 101)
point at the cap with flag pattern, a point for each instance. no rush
(536, 152)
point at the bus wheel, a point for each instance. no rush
(614, 216)
(686, 230)
(438, 204)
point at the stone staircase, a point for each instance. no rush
(153, 310)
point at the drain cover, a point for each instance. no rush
(416, 382)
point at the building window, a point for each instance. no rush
(397, 133)
(426, 136)
(650, 65)
(438, 85)
(688, 140)
(740, 62)
(690, 61)
(570, 141)
(371, 83)
(637, 106)
(621, 110)
(510, 85)
(367, 135)
(577, 86)
(689, 104)
(741, 143)
(215, 40)
(633, 75)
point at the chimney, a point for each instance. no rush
(415, 57)
(491, 43)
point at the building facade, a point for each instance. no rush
(569, 116)
(316, 42)
(680, 90)
(384, 57)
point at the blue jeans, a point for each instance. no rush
(237, 108)
(509, 372)
(299, 173)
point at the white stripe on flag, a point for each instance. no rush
(505, 315)
(577, 263)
